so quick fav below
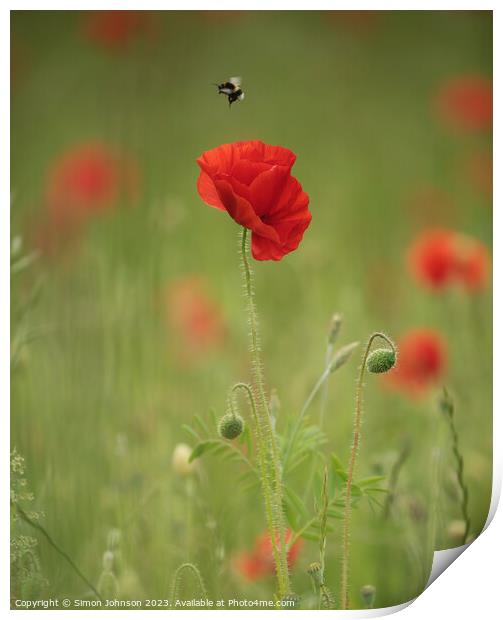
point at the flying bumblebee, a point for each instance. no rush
(231, 89)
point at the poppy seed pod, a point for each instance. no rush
(231, 426)
(315, 572)
(381, 360)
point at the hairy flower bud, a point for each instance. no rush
(368, 594)
(231, 426)
(315, 572)
(381, 360)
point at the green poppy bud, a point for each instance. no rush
(315, 572)
(231, 426)
(381, 360)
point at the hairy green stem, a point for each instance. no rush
(267, 435)
(448, 408)
(393, 478)
(351, 467)
(262, 458)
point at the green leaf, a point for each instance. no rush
(296, 502)
(188, 429)
(201, 448)
(309, 535)
(356, 491)
(336, 462)
(202, 425)
(371, 480)
(335, 514)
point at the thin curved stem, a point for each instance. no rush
(177, 578)
(262, 459)
(298, 422)
(351, 467)
(57, 548)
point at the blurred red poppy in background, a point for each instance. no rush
(115, 30)
(194, 317)
(440, 258)
(472, 263)
(466, 102)
(422, 360)
(85, 181)
(252, 181)
(431, 258)
(259, 562)
(355, 22)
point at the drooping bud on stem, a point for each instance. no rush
(231, 426)
(381, 360)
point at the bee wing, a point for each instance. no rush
(236, 81)
(241, 97)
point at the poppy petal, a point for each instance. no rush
(208, 192)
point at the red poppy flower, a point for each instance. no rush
(252, 181)
(432, 258)
(260, 561)
(194, 317)
(115, 30)
(466, 102)
(422, 359)
(355, 22)
(87, 179)
(472, 263)
(439, 258)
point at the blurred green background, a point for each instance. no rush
(100, 394)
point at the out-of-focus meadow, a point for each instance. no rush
(129, 320)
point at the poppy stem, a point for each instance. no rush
(346, 527)
(447, 406)
(273, 490)
(262, 459)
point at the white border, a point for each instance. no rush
(472, 585)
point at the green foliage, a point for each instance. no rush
(207, 442)
(27, 579)
(97, 404)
